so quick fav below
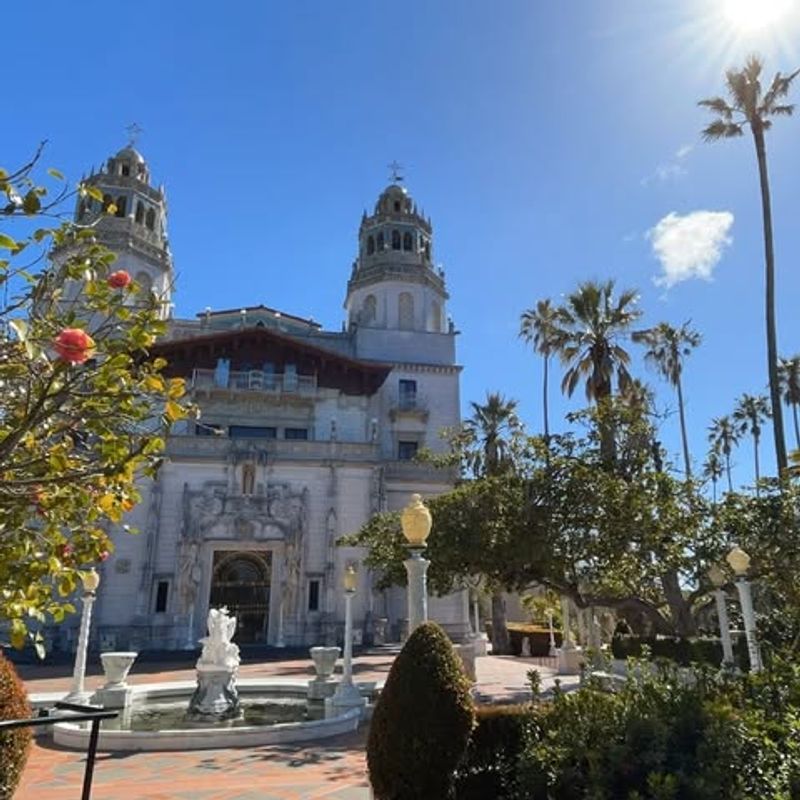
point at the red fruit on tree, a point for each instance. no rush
(119, 279)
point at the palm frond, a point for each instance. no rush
(719, 106)
(721, 130)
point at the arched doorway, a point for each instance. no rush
(241, 581)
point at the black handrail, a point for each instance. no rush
(84, 713)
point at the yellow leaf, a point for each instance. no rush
(111, 209)
(177, 388)
(174, 411)
(107, 502)
(155, 383)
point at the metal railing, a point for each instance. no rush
(82, 713)
(254, 380)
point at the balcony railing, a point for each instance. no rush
(254, 380)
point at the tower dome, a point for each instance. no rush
(394, 284)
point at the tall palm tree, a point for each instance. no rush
(723, 436)
(538, 327)
(493, 424)
(749, 106)
(713, 471)
(789, 376)
(750, 412)
(590, 326)
(667, 349)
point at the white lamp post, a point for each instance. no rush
(347, 694)
(739, 562)
(416, 523)
(566, 632)
(552, 634)
(717, 578)
(90, 581)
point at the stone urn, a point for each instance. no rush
(116, 666)
(323, 685)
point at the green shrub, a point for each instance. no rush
(681, 651)
(14, 745)
(422, 720)
(539, 637)
(489, 766)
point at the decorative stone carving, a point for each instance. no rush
(323, 685)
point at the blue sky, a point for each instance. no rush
(544, 139)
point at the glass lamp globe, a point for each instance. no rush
(416, 522)
(739, 560)
(716, 575)
(90, 580)
(350, 578)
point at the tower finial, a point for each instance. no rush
(396, 175)
(134, 132)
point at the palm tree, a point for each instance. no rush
(750, 412)
(667, 348)
(589, 328)
(538, 327)
(713, 470)
(749, 106)
(493, 424)
(789, 376)
(723, 435)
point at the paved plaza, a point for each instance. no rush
(332, 768)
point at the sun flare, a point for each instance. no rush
(753, 15)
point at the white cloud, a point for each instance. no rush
(672, 169)
(689, 246)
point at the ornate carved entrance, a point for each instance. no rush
(241, 581)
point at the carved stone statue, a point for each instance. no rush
(189, 575)
(218, 647)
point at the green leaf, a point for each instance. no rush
(92, 191)
(7, 242)
(55, 174)
(31, 204)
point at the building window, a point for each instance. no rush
(126, 170)
(370, 309)
(408, 393)
(313, 595)
(108, 200)
(252, 432)
(370, 245)
(408, 241)
(380, 241)
(248, 479)
(295, 433)
(436, 317)
(405, 311)
(139, 212)
(122, 204)
(397, 205)
(395, 240)
(407, 451)
(150, 219)
(162, 595)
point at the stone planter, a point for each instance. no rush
(116, 666)
(323, 685)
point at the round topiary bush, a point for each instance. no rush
(422, 721)
(14, 745)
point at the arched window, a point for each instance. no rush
(380, 241)
(408, 241)
(427, 250)
(122, 203)
(107, 201)
(397, 205)
(370, 309)
(370, 245)
(405, 311)
(126, 170)
(395, 240)
(140, 212)
(150, 219)
(145, 283)
(435, 322)
(82, 209)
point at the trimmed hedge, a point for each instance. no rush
(539, 637)
(489, 766)
(14, 745)
(681, 651)
(422, 720)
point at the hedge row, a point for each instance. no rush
(539, 637)
(681, 651)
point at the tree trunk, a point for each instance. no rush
(544, 403)
(728, 471)
(796, 425)
(772, 333)
(686, 460)
(501, 643)
(680, 610)
(757, 466)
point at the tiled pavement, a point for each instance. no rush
(333, 769)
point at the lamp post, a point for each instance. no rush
(552, 652)
(90, 581)
(416, 523)
(347, 694)
(739, 562)
(717, 578)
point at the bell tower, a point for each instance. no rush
(394, 284)
(136, 230)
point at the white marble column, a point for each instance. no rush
(724, 626)
(746, 601)
(78, 694)
(417, 569)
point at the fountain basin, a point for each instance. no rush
(197, 735)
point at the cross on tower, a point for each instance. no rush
(133, 133)
(396, 175)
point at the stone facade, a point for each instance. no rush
(304, 433)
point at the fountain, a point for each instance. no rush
(216, 697)
(218, 709)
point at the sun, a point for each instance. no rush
(748, 16)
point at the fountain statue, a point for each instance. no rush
(216, 697)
